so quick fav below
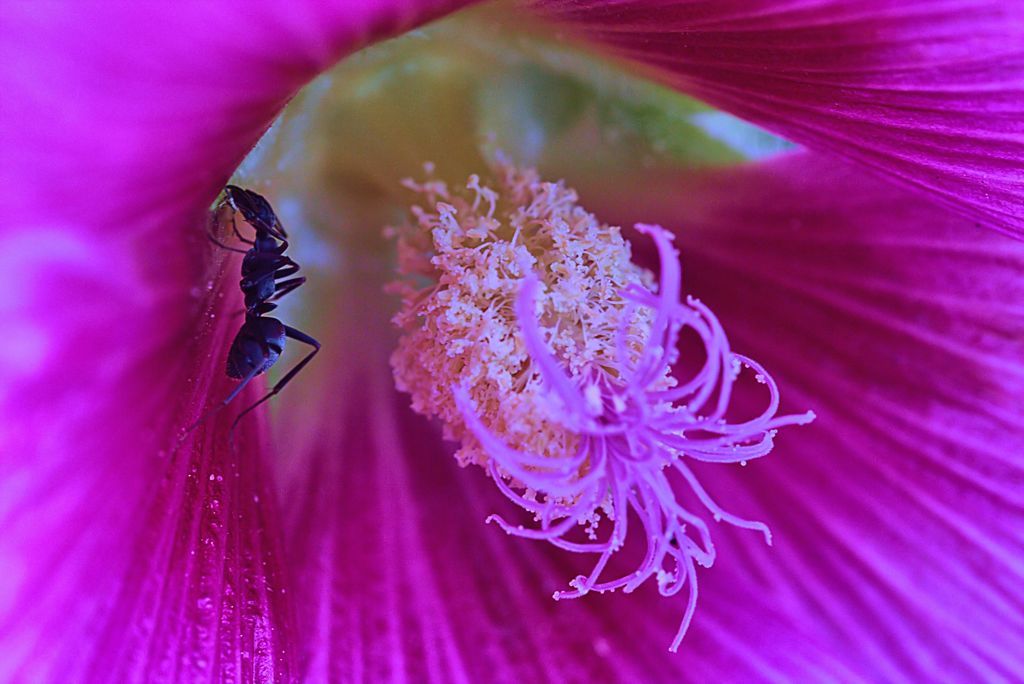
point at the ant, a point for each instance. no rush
(266, 277)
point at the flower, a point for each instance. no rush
(129, 557)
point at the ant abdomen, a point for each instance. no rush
(256, 347)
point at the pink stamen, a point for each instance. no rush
(638, 442)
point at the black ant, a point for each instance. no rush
(266, 277)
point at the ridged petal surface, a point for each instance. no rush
(137, 556)
(898, 514)
(926, 92)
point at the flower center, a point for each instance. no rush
(463, 259)
(548, 355)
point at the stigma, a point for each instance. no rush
(550, 357)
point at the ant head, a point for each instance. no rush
(256, 210)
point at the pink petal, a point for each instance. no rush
(133, 112)
(120, 123)
(133, 556)
(929, 93)
(897, 514)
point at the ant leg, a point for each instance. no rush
(245, 381)
(234, 227)
(295, 335)
(214, 240)
(285, 287)
(288, 268)
(241, 386)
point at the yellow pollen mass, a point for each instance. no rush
(462, 257)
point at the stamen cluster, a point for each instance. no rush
(548, 354)
(464, 257)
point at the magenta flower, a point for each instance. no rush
(341, 541)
